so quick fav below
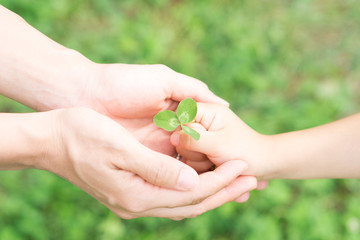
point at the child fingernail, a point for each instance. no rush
(175, 139)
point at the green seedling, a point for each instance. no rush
(185, 113)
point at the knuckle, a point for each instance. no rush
(162, 67)
(200, 211)
(196, 200)
(128, 203)
(219, 181)
(135, 207)
(197, 212)
(126, 216)
(202, 84)
(230, 195)
(112, 201)
(186, 141)
(123, 215)
(157, 173)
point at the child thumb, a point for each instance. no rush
(203, 145)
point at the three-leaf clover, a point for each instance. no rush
(185, 113)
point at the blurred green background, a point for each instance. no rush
(283, 65)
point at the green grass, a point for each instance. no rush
(283, 65)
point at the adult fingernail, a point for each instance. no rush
(252, 183)
(175, 139)
(188, 179)
(243, 198)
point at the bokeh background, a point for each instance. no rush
(283, 66)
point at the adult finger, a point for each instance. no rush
(243, 198)
(262, 185)
(241, 185)
(187, 87)
(210, 183)
(160, 169)
(136, 196)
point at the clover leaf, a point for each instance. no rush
(166, 120)
(185, 113)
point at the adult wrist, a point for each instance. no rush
(27, 140)
(69, 84)
(42, 134)
(37, 71)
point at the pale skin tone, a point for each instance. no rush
(59, 141)
(113, 152)
(328, 151)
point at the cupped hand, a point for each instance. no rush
(132, 94)
(138, 91)
(99, 156)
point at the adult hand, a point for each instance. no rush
(44, 75)
(133, 94)
(102, 158)
(48, 76)
(137, 91)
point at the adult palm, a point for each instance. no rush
(133, 94)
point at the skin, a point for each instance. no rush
(113, 152)
(45, 75)
(328, 151)
(59, 141)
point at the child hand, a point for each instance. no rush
(223, 137)
(327, 151)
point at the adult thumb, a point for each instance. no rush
(188, 87)
(164, 171)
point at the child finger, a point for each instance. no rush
(191, 155)
(200, 167)
(204, 145)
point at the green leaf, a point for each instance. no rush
(186, 110)
(166, 120)
(191, 132)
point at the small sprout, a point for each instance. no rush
(185, 113)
